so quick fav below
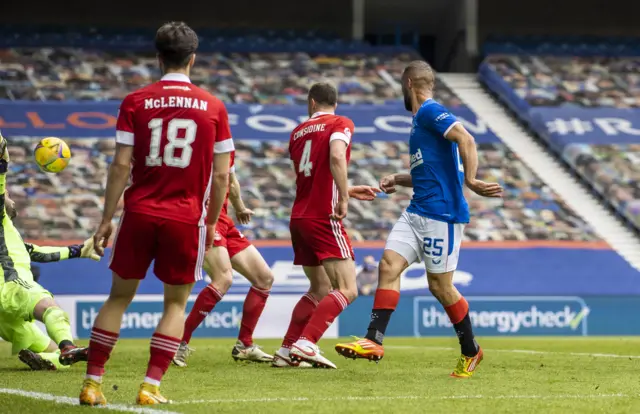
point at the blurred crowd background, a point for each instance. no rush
(585, 81)
(62, 74)
(68, 205)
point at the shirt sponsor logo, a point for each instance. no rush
(416, 159)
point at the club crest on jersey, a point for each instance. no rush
(217, 236)
(347, 132)
(416, 159)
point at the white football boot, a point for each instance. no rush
(306, 351)
(181, 357)
(251, 353)
(281, 359)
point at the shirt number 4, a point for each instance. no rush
(306, 165)
(169, 154)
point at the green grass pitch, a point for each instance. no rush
(518, 375)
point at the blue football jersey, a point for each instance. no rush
(436, 167)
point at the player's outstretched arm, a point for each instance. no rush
(4, 167)
(338, 166)
(119, 172)
(363, 192)
(243, 214)
(469, 155)
(48, 254)
(388, 183)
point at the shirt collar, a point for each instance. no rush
(317, 114)
(176, 77)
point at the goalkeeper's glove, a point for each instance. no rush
(88, 251)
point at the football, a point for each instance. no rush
(52, 155)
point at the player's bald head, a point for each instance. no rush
(420, 73)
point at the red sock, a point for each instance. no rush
(206, 301)
(457, 311)
(328, 309)
(299, 319)
(251, 311)
(100, 346)
(163, 348)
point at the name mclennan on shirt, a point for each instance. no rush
(176, 102)
(309, 129)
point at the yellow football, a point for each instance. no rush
(52, 155)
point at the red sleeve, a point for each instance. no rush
(124, 125)
(224, 142)
(342, 129)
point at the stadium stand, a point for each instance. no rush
(63, 74)
(67, 205)
(585, 107)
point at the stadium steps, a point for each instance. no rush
(576, 194)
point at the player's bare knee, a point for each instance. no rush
(441, 287)
(222, 280)
(389, 270)
(264, 280)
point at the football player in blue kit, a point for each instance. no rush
(443, 159)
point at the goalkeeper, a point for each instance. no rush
(23, 300)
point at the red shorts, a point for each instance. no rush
(177, 248)
(315, 240)
(227, 235)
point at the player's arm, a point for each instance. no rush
(221, 159)
(4, 167)
(469, 157)
(118, 174)
(338, 166)
(388, 183)
(243, 214)
(48, 254)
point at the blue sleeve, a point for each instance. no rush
(435, 118)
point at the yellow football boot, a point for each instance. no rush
(467, 365)
(361, 348)
(91, 393)
(150, 395)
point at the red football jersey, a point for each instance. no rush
(175, 128)
(316, 192)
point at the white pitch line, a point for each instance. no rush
(59, 399)
(406, 397)
(518, 351)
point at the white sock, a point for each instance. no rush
(96, 378)
(283, 351)
(152, 381)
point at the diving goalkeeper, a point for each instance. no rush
(23, 300)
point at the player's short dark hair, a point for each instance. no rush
(323, 93)
(420, 73)
(176, 42)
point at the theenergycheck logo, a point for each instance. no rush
(142, 317)
(513, 315)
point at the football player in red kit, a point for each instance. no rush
(231, 250)
(320, 149)
(173, 140)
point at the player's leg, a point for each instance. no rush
(441, 260)
(342, 274)
(319, 287)
(217, 264)
(402, 249)
(248, 261)
(178, 264)
(133, 250)
(36, 349)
